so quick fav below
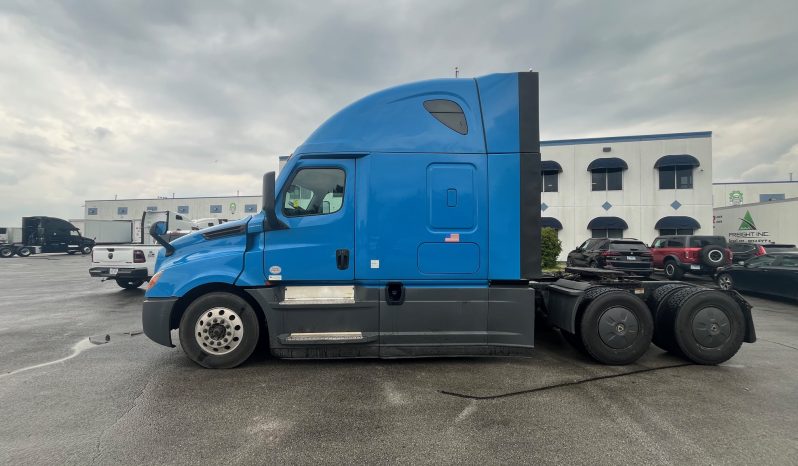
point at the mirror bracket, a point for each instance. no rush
(271, 222)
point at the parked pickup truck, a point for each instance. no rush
(133, 264)
(409, 225)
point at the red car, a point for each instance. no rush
(680, 254)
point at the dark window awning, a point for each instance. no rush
(682, 160)
(550, 222)
(608, 223)
(677, 221)
(607, 163)
(550, 166)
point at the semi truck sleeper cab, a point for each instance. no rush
(408, 224)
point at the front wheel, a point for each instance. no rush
(219, 330)
(24, 251)
(725, 282)
(85, 250)
(129, 284)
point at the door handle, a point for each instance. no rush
(342, 259)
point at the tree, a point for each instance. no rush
(550, 247)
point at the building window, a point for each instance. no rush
(771, 197)
(91, 211)
(121, 211)
(606, 233)
(676, 231)
(549, 184)
(152, 208)
(216, 208)
(315, 191)
(182, 209)
(678, 177)
(250, 208)
(609, 179)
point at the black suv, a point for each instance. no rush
(623, 254)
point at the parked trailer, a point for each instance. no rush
(42, 234)
(106, 231)
(10, 235)
(409, 225)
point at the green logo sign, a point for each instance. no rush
(735, 197)
(232, 207)
(747, 222)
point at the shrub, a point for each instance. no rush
(550, 247)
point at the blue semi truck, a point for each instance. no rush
(408, 225)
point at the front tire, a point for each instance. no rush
(24, 251)
(725, 282)
(129, 284)
(85, 250)
(219, 330)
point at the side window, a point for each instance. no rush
(315, 191)
(762, 261)
(550, 180)
(675, 243)
(659, 243)
(606, 179)
(449, 113)
(789, 261)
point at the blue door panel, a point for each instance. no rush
(306, 250)
(396, 214)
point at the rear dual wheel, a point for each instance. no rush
(615, 327)
(24, 251)
(6, 252)
(705, 326)
(219, 330)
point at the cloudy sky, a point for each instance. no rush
(146, 99)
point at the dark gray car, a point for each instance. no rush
(774, 274)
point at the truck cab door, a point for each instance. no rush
(317, 206)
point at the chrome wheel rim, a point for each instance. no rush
(219, 331)
(725, 282)
(669, 269)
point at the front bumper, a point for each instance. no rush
(156, 319)
(127, 273)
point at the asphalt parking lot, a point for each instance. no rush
(128, 400)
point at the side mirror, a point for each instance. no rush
(157, 230)
(272, 222)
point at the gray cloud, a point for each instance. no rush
(148, 98)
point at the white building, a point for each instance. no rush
(751, 192)
(629, 186)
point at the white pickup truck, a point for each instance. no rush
(133, 264)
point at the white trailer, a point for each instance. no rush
(10, 235)
(774, 222)
(106, 231)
